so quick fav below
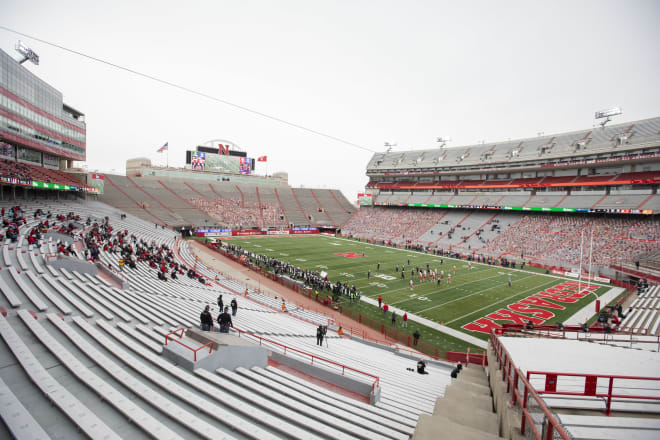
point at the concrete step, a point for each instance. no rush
(461, 396)
(477, 380)
(471, 387)
(441, 428)
(467, 415)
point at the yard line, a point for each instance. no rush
(472, 294)
(490, 305)
(550, 275)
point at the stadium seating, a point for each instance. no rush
(22, 170)
(96, 351)
(176, 202)
(549, 147)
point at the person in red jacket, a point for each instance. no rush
(385, 307)
(405, 320)
(380, 301)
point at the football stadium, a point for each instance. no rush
(503, 289)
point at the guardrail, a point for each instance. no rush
(376, 379)
(513, 378)
(590, 386)
(595, 334)
(168, 337)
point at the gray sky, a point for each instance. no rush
(365, 71)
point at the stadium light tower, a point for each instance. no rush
(389, 146)
(606, 115)
(443, 141)
(28, 54)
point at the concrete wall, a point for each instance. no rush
(348, 383)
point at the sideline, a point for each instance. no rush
(589, 310)
(434, 325)
(551, 275)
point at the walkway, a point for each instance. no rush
(434, 325)
(586, 312)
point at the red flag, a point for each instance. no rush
(262, 159)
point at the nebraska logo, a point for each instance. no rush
(566, 292)
(350, 255)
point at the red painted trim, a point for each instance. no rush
(337, 200)
(149, 195)
(36, 145)
(242, 197)
(325, 211)
(299, 205)
(281, 207)
(39, 128)
(53, 118)
(195, 191)
(261, 211)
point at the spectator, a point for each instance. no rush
(206, 319)
(385, 308)
(416, 336)
(393, 318)
(319, 335)
(224, 320)
(220, 303)
(380, 301)
(405, 320)
(234, 306)
(421, 367)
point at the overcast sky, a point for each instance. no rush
(364, 71)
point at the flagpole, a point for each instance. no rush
(167, 157)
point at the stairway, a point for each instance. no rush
(465, 412)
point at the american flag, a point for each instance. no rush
(163, 148)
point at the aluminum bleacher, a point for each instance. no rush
(76, 345)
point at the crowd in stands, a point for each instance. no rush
(14, 217)
(558, 239)
(132, 250)
(546, 238)
(235, 214)
(11, 168)
(391, 225)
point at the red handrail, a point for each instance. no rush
(194, 350)
(261, 339)
(590, 383)
(511, 374)
(599, 335)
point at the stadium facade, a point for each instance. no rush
(36, 126)
(596, 162)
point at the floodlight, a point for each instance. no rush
(606, 115)
(443, 140)
(28, 54)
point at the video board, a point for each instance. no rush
(220, 163)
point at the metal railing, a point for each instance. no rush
(590, 386)
(285, 348)
(169, 337)
(514, 381)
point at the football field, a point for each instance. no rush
(473, 299)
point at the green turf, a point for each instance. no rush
(472, 294)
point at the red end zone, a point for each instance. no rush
(536, 308)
